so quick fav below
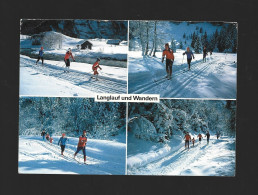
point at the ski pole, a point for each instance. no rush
(183, 59)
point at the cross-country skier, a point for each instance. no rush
(187, 139)
(218, 134)
(62, 141)
(51, 140)
(205, 53)
(200, 137)
(168, 52)
(95, 67)
(193, 140)
(47, 137)
(67, 59)
(208, 136)
(40, 56)
(189, 55)
(82, 145)
(43, 134)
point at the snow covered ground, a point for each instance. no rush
(99, 49)
(41, 157)
(50, 79)
(215, 78)
(214, 159)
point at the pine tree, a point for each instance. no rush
(173, 45)
(197, 45)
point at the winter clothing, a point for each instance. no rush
(79, 149)
(193, 140)
(187, 140)
(95, 67)
(47, 137)
(189, 55)
(82, 141)
(40, 56)
(169, 64)
(169, 60)
(208, 137)
(168, 53)
(51, 140)
(205, 53)
(62, 149)
(67, 55)
(43, 134)
(200, 137)
(62, 140)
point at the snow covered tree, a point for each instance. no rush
(173, 45)
(52, 40)
(197, 45)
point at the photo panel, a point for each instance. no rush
(73, 58)
(71, 136)
(180, 137)
(183, 59)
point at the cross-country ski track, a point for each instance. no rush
(214, 159)
(81, 82)
(42, 157)
(215, 78)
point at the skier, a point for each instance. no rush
(187, 139)
(40, 56)
(193, 140)
(62, 142)
(82, 145)
(200, 137)
(51, 140)
(43, 134)
(218, 134)
(168, 52)
(205, 53)
(189, 55)
(210, 52)
(95, 67)
(208, 136)
(67, 59)
(47, 137)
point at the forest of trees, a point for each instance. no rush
(71, 116)
(158, 122)
(149, 36)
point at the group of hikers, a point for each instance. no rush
(168, 52)
(67, 57)
(189, 139)
(63, 140)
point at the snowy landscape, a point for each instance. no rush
(215, 78)
(105, 126)
(104, 157)
(50, 79)
(156, 138)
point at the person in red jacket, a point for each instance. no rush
(187, 140)
(67, 59)
(82, 145)
(169, 60)
(95, 69)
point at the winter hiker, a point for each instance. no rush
(200, 137)
(208, 136)
(193, 141)
(40, 56)
(62, 141)
(189, 55)
(47, 137)
(168, 52)
(205, 53)
(187, 139)
(95, 69)
(218, 134)
(67, 59)
(43, 134)
(82, 145)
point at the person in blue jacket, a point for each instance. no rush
(189, 55)
(40, 56)
(62, 142)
